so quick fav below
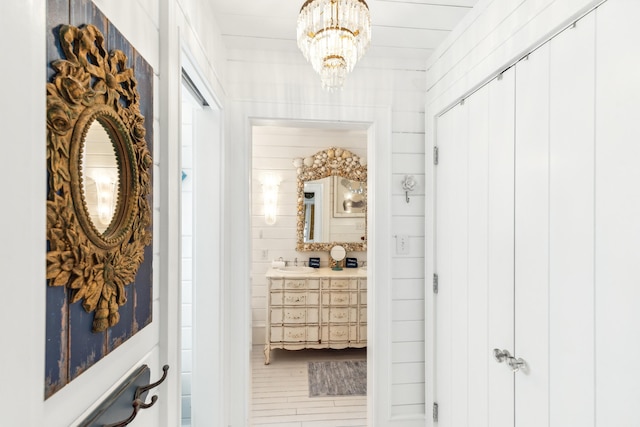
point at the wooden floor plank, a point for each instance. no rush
(280, 392)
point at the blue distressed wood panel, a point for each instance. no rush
(144, 293)
(57, 13)
(85, 347)
(71, 346)
(56, 354)
(121, 332)
(83, 12)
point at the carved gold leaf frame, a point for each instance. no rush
(334, 161)
(93, 85)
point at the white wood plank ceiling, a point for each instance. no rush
(401, 29)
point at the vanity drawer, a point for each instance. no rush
(363, 283)
(294, 334)
(339, 314)
(294, 315)
(363, 314)
(339, 333)
(293, 283)
(340, 284)
(294, 298)
(340, 298)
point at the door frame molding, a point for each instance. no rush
(377, 120)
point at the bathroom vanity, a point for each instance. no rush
(315, 308)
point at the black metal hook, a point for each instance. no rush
(139, 403)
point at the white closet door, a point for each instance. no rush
(501, 247)
(571, 391)
(617, 209)
(451, 309)
(555, 231)
(478, 352)
(532, 238)
(474, 243)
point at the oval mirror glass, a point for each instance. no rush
(338, 252)
(100, 178)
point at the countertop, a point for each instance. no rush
(320, 272)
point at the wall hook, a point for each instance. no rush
(139, 403)
(408, 184)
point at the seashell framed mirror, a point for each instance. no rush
(331, 201)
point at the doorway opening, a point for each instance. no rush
(280, 390)
(201, 255)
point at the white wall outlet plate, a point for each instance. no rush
(402, 244)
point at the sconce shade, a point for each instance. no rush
(106, 194)
(270, 187)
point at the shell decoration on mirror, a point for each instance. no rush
(332, 161)
(92, 85)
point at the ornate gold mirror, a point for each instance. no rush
(103, 169)
(98, 211)
(332, 201)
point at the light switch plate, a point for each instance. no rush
(402, 244)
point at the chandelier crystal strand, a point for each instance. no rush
(333, 35)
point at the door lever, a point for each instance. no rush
(517, 364)
(501, 355)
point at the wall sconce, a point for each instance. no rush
(105, 187)
(103, 204)
(408, 184)
(270, 185)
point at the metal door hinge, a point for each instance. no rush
(435, 283)
(435, 412)
(435, 155)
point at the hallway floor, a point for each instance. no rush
(280, 391)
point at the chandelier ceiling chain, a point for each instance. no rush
(333, 35)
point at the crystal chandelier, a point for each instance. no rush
(333, 35)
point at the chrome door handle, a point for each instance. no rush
(501, 355)
(517, 364)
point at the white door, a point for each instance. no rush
(516, 243)
(554, 248)
(475, 258)
(617, 212)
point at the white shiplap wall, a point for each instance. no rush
(281, 86)
(274, 148)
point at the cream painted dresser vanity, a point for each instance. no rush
(320, 309)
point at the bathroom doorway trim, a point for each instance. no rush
(377, 121)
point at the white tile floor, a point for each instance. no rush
(280, 391)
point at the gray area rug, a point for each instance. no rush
(338, 378)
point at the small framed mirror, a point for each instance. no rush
(332, 201)
(338, 253)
